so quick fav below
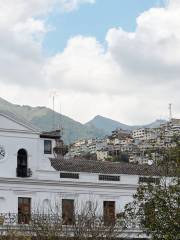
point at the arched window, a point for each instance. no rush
(22, 168)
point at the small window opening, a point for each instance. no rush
(47, 147)
(109, 178)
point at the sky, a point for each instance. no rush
(115, 58)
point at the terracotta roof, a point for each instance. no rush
(91, 166)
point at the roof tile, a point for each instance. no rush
(91, 166)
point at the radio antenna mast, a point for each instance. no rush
(61, 121)
(170, 111)
(53, 94)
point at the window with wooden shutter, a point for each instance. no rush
(109, 212)
(24, 210)
(68, 211)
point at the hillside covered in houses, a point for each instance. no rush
(142, 145)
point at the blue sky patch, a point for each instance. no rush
(94, 20)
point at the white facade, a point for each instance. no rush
(44, 185)
(45, 182)
(139, 133)
(144, 134)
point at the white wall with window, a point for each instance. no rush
(22, 148)
(31, 179)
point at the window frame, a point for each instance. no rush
(108, 216)
(49, 151)
(149, 180)
(69, 175)
(67, 216)
(109, 178)
(22, 163)
(24, 218)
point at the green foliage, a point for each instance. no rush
(156, 207)
(121, 157)
(15, 235)
(88, 156)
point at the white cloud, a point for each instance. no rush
(154, 49)
(132, 79)
(69, 5)
(84, 66)
(12, 11)
(22, 29)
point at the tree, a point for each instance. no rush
(120, 157)
(156, 205)
(90, 224)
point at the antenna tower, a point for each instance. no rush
(53, 94)
(61, 121)
(170, 111)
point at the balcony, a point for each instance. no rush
(24, 173)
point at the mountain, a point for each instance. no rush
(108, 125)
(156, 123)
(44, 118)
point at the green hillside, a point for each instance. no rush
(44, 118)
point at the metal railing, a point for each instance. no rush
(21, 172)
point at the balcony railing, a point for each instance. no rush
(21, 172)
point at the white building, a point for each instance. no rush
(144, 134)
(139, 133)
(31, 175)
(102, 155)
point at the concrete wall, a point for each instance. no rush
(45, 185)
(43, 191)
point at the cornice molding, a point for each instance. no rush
(18, 131)
(53, 183)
